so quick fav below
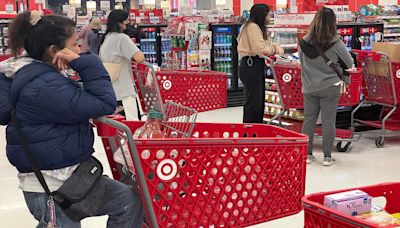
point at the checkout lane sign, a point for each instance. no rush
(294, 19)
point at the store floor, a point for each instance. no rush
(364, 164)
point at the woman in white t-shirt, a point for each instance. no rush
(117, 47)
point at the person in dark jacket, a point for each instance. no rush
(54, 113)
(321, 85)
(94, 36)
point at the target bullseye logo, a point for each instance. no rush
(398, 73)
(167, 84)
(167, 169)
(287, 77)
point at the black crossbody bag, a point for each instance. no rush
(83, 194)
(332, 65)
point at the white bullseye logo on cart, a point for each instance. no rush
(287, 77)
(167, 169)
(398, 73)
(167, 84)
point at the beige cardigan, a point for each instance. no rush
(252, 43)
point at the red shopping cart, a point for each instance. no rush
(200, 90)
(225, 175)
(317, 215)
(288, 84)
(203, 174)
(381, 80)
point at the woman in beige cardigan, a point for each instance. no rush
(253, 43)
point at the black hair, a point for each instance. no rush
(50, 30)
(258, 13)
(114, 19)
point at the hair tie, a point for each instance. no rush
(35, 17)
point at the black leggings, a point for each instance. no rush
(253, 78)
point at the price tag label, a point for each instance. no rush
(9, 8)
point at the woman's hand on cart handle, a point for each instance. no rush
(279, 50)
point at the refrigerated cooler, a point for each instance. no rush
(150, 42)
(368, 33)
(360, 35)
(348, 33)
(224, 58)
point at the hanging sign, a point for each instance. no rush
(9, 8)
(105, 5)
(65, 8)
(294, 19)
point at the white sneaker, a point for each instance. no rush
(310, 159)
(328, 161)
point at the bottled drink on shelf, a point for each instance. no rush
(229, 39)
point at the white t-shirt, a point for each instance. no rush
(119, 48)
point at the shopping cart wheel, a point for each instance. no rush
(380, 142)
(343, 149)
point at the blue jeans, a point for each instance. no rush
(124, 208)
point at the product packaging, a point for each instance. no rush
(205, 40)
(351, 203)
(382, 219)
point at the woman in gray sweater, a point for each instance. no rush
(320, 82)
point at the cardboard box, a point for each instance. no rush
(389, 48)
(351, 203)
(382, 68)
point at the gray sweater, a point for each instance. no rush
(316, 75)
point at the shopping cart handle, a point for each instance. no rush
(111, 122)
(269, 59)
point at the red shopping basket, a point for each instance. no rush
(227, 175)
(289, 81)
(317, 215)
(200, 90)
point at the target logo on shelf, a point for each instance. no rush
(167, 85)
(167, 169)
(398, 73)
(287, 77)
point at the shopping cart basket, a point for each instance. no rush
(228, 175)
(288, 84)
(317, 215)
(200, 90)
(380, 89)
(178, 119)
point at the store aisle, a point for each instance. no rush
(363, 165)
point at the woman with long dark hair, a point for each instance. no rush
(321, 84)
(117, 47)
(53, 114)
(253, 43)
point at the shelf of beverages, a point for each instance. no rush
(223, 40)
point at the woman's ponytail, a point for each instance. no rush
(19, 32)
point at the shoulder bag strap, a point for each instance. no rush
(329, 62)
(28, 151)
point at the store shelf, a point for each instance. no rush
(273, 93)
(272, 105)
(289, 45)
(391, 34)
(150, 53)
(389, 17)
(222, 45)
(269, 80)
(165, 39)
(392, 26)
(147, 40)
(222, 59)
(172, 35)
